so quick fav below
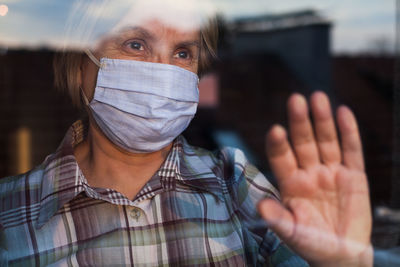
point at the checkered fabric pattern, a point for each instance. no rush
(199, 209)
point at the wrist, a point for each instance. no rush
(364, 259)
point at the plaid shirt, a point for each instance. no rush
(199, 209)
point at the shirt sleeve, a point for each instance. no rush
(3, 251)
(247, 187)
(387, 257)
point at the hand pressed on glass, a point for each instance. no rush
(325, 212)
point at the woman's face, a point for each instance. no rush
(152, 42)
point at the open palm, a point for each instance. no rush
(325, 212)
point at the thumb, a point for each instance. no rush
(279, 219)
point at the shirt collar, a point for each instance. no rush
(63, 180)
(198, 169)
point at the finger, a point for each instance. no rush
(351, 142)
(279, 219)
(325, 130)
(301, 132)
(280, 155)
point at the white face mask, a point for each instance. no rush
(143, 106)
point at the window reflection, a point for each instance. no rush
(262, 60)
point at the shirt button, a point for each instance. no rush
(135, 213)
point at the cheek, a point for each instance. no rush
(193, 66)
(196, 68)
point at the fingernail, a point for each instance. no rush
(322, 101)
(277, 134)
(298, 104)
(347, 117)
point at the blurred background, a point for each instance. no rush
(267, 50)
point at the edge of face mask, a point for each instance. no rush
(103, 63)
(165, 80)
(104, 60)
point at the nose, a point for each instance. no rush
(161, 53)
(163, 58)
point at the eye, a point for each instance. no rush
(182, 55)
(136, 45)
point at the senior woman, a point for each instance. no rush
(124, 188)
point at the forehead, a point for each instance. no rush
(92, 23)
(175, 21)
(184, 15)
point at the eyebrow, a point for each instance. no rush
(146, 34)
(189, 43)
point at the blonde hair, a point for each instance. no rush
(67, 63)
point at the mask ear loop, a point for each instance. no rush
(93, 58)
(98, 64)
(84, 96)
